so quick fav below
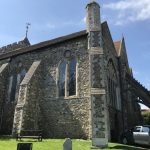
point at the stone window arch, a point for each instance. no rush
(67, 77)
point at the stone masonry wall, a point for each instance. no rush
(65, 118)
(115, 114)
(31, 112)
(26, 111)
(14, 46)
(16, 65)
(3, 75)
(3, 80)
(58, 116)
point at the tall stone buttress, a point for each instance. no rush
(97, 76)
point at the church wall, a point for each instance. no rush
(27, 108)
(31, 109)
(66, 118)
(3, 81)
(69, 116)
(16, 65)
(114, 113)
(3, 75)
(129, 113)
(58, 116)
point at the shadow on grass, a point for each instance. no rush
(5, 138)
(22, 140)
(126, 147)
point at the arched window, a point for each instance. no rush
(67, 78)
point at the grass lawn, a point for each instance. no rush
(56, 144)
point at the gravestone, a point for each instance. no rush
(24, 146)
(67, 144)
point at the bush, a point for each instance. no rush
(146, 117)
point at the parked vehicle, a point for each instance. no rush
(137, 135)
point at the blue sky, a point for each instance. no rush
(53, 18)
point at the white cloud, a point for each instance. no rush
(130, 10)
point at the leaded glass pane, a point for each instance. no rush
(13, 89)
(72, 77)
(61, 83)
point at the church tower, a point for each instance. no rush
(97, 76)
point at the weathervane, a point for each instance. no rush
(27, 28)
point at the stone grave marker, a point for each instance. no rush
(24, 146)
(67, 144)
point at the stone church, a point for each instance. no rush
(78, 86)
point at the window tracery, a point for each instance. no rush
(67, 80)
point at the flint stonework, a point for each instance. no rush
(103, 104)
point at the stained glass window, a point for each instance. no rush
(13, 89)
(61, 82)
(72, 77)
(67, 78)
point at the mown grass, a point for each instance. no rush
(56, 144)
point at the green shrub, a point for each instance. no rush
(146, 117)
